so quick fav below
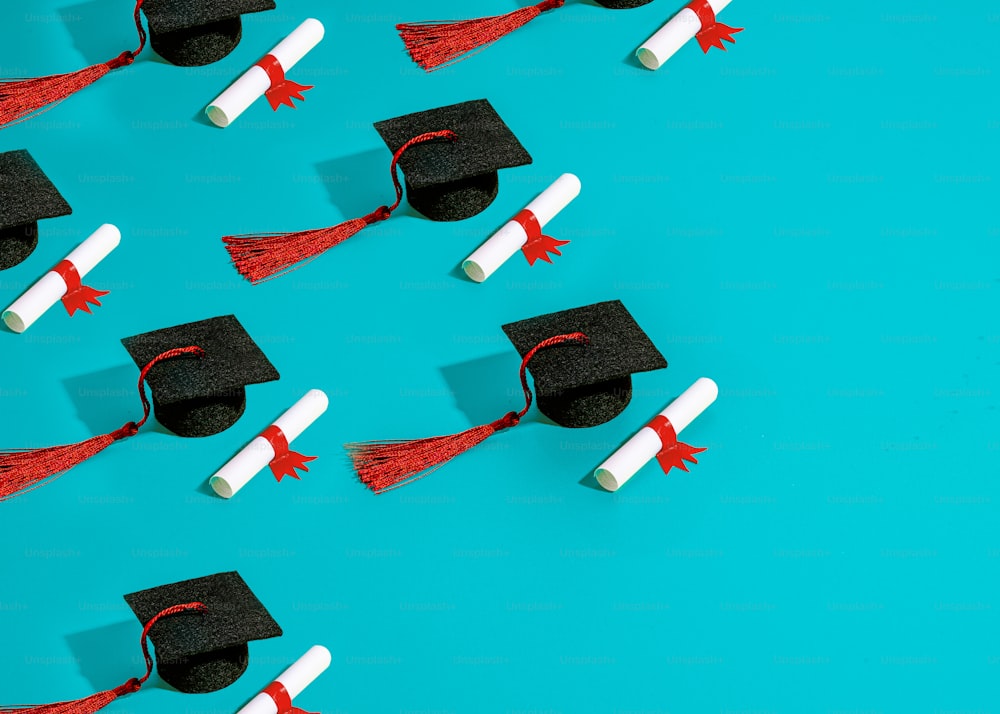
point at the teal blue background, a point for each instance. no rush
(809, 218)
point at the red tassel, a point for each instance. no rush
(96, 702)
(21, 98)
(23, 470)
(437, 44)
(385, 465)
(88, 705)
(262, 256)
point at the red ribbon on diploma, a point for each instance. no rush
(673, 453)
(279, 695)
(285, 460)
(538, 246)
(78, 296)
(712, 32)
(282, 90)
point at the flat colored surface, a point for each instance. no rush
(808, 218)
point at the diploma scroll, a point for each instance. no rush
(259, 453)
(255, 82)
(678, 31)
(503, 244)
(646, 444)
(51, 287)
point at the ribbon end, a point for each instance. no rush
(716, 36)
(542, 248)
(288, 463)
(285, 93)
(82, 298)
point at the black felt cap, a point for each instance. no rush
(199, 652)
(191, 33)
(452, 180)
(585, 385)
(201, 396)
(26, 197)
(623, 4)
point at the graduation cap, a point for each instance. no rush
(207, 653)
(26, 197)
(206, 396)
(581, 387)
(457, 180)
(450, 158)
(200, 629)
(437, 44)
(197, 373)
(581, 360)
(191, 33)
(183, 32)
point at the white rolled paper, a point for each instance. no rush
(499, 248)
(51, 287)
(645, 445)
(254, 82)
(679, 29)
(258, 453)
(294, 679)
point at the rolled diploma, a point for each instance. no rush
(675, 34)
(258, 453)
(498, 249)
(295, 679)
(645, 445)
(51, 287)
(254, 82)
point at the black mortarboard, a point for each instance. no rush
(26, 197)
(190, 33)
(449, 181)
(586, 385)
(208, 651)
(201, 397)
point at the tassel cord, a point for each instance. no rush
(128, 56)
(383, 212)
(513, 418)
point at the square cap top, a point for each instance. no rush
(618, 347)
(234, 616)
(232, 360)
(172, 15)
(26, 193)
(485, 144)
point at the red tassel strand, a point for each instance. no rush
(437, 44)
(385, 465)
(21, 98)
(96, 702)
(262, 256)
(23, 470)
